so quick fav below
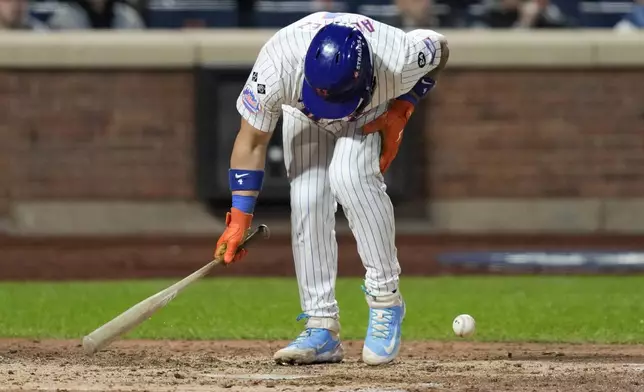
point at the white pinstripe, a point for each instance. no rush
(334, 162)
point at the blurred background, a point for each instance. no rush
(162, 14)
(529, 155)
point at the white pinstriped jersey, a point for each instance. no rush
(400, 59)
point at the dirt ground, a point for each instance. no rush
(27, 365)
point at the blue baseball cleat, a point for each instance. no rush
(386, 315)
(318, 343)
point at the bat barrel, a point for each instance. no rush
(138, 313)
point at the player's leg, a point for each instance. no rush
(307, 154)
(359, 186)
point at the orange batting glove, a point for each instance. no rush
(237, 225)
(391, 125)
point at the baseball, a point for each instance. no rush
(464, 325)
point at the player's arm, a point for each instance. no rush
(259, 105)
(246, 177)
(425, 57)
(247, 165)
(438, 49)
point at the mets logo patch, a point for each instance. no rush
(249, 99)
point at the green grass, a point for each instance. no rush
(561, 309)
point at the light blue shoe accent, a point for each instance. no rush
(314, 344)
(382, 342)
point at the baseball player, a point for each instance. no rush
(346, 86)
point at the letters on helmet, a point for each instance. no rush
(359, 50)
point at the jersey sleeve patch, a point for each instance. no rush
(250, 100)
(422, 61)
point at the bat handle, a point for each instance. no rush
(261, 231)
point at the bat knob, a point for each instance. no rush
(266, 233)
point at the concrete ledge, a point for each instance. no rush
(111, 218)
(624, 216)
(623, 50)
(518, 49)
(96, 50)
(481, 216)
(227, 48)
(529, 215)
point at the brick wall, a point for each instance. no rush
(542, 134)
(128, 135)
(97, 135)
(4, 173)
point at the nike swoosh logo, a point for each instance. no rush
(321, 346)
(424, 82)
(389, 349)
(238, 176)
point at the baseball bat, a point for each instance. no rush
(140, 312)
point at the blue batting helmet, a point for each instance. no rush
(338, 73)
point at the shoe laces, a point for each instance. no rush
(380, 322)
(306, 333)
(302, 336)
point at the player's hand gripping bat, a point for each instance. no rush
(140, 312)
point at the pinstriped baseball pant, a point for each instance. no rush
(324, 170)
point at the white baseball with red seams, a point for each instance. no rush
(464, 325)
